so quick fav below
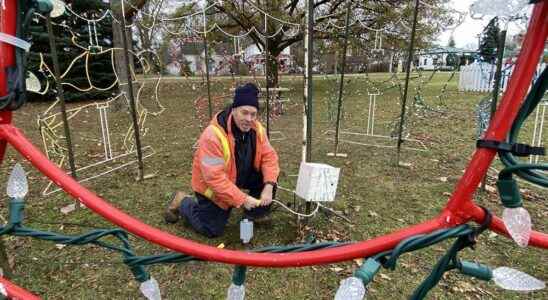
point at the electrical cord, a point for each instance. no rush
(513, 165)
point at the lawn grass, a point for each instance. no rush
(375, 194)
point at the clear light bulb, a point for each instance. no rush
(58, 8)
(150, 289)
(518, 223)
(501, 8)
(18, 186)
(351, 288)
(511, 279)
(32, 83)
(235, 292)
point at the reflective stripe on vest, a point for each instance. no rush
(260, 131)
(224, 142)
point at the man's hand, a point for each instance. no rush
(251, 202)
(266, 195)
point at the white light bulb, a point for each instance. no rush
(150, 289)
(518, 223)
(58, 8)
(235, 292)
(33, 83)
(511, 279)
(17, 183)
(351, 288)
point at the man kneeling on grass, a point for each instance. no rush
(234, 166)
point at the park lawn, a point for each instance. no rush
(373, 192)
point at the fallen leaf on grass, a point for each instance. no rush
(439, 249)
(443, 179)
(373, 214)
(69, 208)
(490, 188)
(359, 261)
(11, 261)
(384, 276)
(405, 165)
(336, 269)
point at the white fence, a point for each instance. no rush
(480, 76)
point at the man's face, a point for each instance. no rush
(244, 116)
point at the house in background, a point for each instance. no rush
(443, 58)
(183, 57)
(223, 59)
(254, 57)
(193, 54)
(188, 58)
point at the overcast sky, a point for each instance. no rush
(466, 35)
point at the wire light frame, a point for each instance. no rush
(50, 125)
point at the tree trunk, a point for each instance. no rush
(120, 67)
(272, 67)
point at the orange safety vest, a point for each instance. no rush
(220, 133)
(214, 168)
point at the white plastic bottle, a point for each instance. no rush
(246, 231)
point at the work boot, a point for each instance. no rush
(171, 214)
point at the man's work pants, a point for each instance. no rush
(210, 220)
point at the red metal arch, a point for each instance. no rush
(17, 292)
(460, 208)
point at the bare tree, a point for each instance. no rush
(148, 29)
(243, 16)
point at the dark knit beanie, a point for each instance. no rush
(247, 94)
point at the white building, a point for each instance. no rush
(254, 56)
(440, 58)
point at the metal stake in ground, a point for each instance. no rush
(61, 96)
(267, 77)
(341, 83)
(496, 84)
(498, 73)
(132, 105)
(308, 77)
(308, 45)
(206, 60)
(407, 73)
